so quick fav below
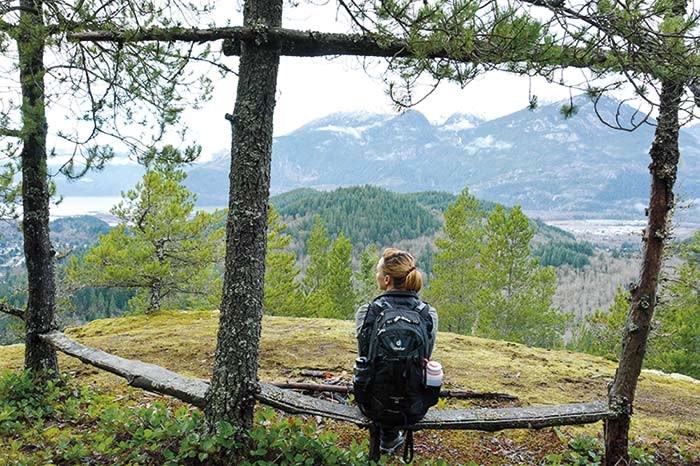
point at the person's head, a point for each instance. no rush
(396, 270)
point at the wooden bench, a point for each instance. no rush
(193, 391)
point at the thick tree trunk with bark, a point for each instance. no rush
(38, 253)
(664, 155)
(235, 379)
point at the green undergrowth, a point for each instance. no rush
(665, 427)
(67, 423)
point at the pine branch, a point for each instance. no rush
(5, 26)
(11, 310)
(10, 133)
(313, 44)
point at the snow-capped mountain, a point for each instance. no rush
(537, 159)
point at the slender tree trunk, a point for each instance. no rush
(664, 155)
(154, 301)
(235, 376)
(38, 253)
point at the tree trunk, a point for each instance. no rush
(664, 155)
(154, 301)
(235, 376)
(38, 253)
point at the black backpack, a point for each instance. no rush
(389, 384)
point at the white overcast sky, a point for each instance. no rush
(310, 88)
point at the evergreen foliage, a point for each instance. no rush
(283, 294)
(160, 248)
(456, 273)
(339, 285)
(485, 281)
(366, 277)
(436, 200)
(678, 344)
(516, 293)
(317, 248)
(557, 253)
(601, 334)
(674, 342)
(365, 214)
(371, 215)
(328, 280)
(89, 304)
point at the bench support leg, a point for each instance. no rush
(374, 442)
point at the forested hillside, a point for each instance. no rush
(366, 216)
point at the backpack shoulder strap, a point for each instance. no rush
(378, 307)
(423, 309)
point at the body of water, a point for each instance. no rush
(99, 206)
(84, 205)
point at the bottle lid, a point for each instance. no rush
(433, 368)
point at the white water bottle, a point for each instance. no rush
(433, 374)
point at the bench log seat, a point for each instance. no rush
(193, 391)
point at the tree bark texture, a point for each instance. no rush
(234, 381)
(38, 253)
(664, 154)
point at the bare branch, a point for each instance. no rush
(695, 89)
(11, 310)
(165, 35)
(4, 9)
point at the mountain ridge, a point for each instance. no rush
(537, 159)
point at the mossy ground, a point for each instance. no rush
(666, 409)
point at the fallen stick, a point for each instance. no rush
(315, 373)
(458, 394)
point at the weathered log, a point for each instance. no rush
(160, 380)
(313, 387)
(531, 417)
(296, 403)
(138, 374)
(458, 394)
